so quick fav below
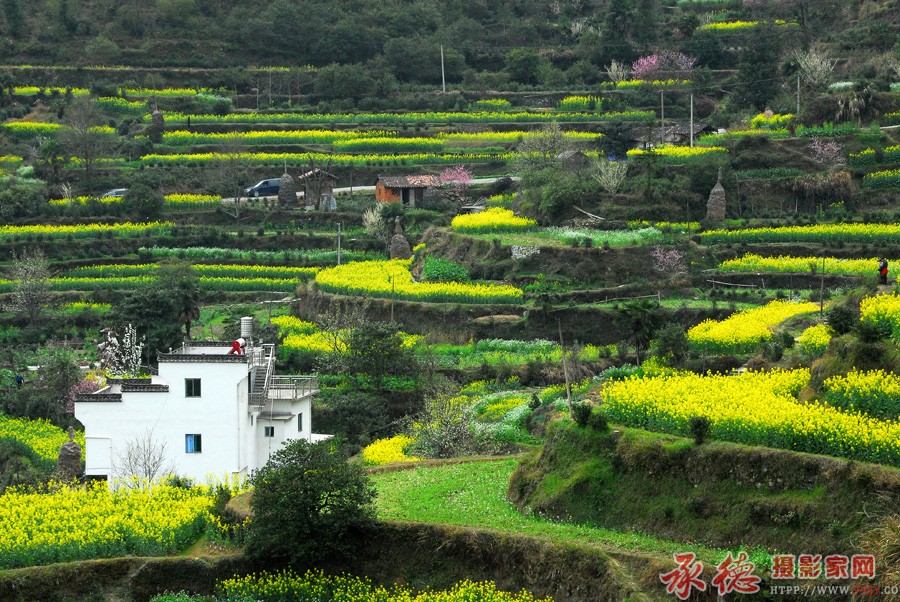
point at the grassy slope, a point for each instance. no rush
(718, 494)
(474, 495)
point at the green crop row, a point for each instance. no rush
(821, 233)
(344, 160)
(210, 270)
(313, 257)
(409, 118)
(882, 179)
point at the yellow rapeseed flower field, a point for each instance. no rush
(42, 436)
(882, 311)
(392, 279)
(745, 330)
(388, 450)
(495, 219)
(814, 340)
(316, 585)
(757, 408)
(784, 263)
(876, 393)
(74, 522)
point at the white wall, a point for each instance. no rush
(216, 415)
(232, 435)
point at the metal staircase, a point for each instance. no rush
(265, 386)
(262, 365)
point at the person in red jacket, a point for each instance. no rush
(883, 270)
(238, 347)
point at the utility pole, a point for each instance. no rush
(692, 120)
(392, 299)
(822, 291)
(339, 244)
(662, 118)
(443, 79)
(565, 368)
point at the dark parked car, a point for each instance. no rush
(264, 188)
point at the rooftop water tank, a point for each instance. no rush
(247, 328)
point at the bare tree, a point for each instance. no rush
(815, 67)
(316, 179)
(609, 174)
(444, 429)
(231, 174)
(31, 271)
(618, 72)
(84, 139)
(375, 224)
(144, 457)
(541, 149)
(338, 320)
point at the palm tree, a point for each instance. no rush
(641, 319)
(180, 281)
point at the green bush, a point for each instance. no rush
(598, 422)
(769, 173)
(309, 503)
(699, 429)
(581, 413)
(438, 269)
(841, 319)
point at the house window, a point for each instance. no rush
(192, 387)
(269, 431)
(192, 444)
(300, 422)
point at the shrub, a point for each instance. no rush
(699, 426)
(438, 269)
(598, 422)
(309, 503)
(581, 413)
(841, 319)
(143, 202)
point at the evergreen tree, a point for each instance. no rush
(646, 25)
(309, 504)
(758, 70)
(13, 15)
(615, 43)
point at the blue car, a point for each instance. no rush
(264, 188)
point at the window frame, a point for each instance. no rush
(189, 388)
(267, 430)
(195, 441)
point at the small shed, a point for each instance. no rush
(406, 189)
(677, 133)
(318, 189)
(573, 160)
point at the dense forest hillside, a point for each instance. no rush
(485, 41)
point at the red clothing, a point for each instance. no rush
(236, 348)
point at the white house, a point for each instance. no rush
(211, 414)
